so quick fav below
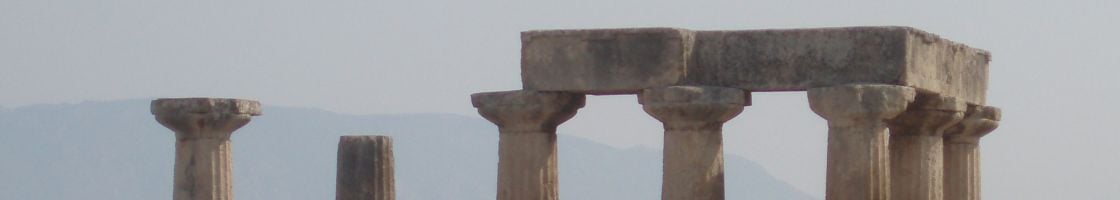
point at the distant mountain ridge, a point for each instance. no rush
(115, 150)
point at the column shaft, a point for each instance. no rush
(527, 166)
(916, 170)
(365, 168)
(203, 169)
(693, 165)
(527, 121)
(916, 148)
(962, 171)
(858, 162)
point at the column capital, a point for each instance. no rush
(526, 110)
(978, 122)
(853, 102)
(683, 107)
(210, 118)
(929, 114)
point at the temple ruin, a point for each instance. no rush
(905, 110)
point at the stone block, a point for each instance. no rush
(756, 60)
(604, 61)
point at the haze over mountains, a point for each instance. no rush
(116, 151)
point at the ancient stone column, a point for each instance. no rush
(693, 119)
(962, 152)
(203, 165)
(858, 163)
(916, 146)
(527, 122)
(365, 168)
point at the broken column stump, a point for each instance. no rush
(365, 168)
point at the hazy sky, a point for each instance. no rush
(1053, 69)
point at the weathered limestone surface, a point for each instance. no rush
(962, 152)
(858, 163)
(916, 146)
(604, 61)
(527, 121)
(693, 119)
(625, 61)
(365, 168)
(203, 126)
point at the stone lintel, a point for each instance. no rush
(604, 61)
(624, 61)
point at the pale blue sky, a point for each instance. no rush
(1053, 69)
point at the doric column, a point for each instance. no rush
(365, 168)
(962, 152)
(527, 122)
(916, 146)
(858, 163)
(203, 165)
(693, 118)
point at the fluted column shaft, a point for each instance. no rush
(916, 147)
(858, 163)
(365, 168)
(962, 152)
(693, 119)
(203, 169)
(527, 121)
(203, 156)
